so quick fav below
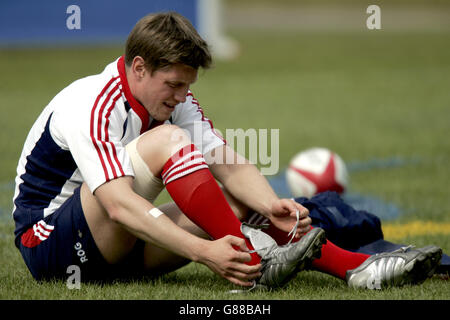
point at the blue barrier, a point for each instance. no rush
(47, 22)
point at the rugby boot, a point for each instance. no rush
(400, 267)
(282, 263)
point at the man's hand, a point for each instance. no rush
(283, 216)
(220, 256)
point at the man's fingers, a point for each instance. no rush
(237, 242)
(240, 273)
(304, 223)
(245, 268)
(303, 227)
(242, 257)
(290, 205)
(244, 275)
(293, 207)
(303, 212)
(239, 256)
(239, 282)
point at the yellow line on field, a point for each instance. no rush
(414, 228)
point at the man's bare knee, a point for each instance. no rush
(159, 144)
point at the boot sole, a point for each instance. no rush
(423, 267)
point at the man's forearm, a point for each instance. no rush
(133, 213)
(164, 233)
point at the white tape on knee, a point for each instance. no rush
(145, 183)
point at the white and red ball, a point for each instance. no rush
(316, 170)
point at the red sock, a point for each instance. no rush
(334, 260)
(194, 189)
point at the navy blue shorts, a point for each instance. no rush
(64, 240)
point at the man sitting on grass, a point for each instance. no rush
(105, 146)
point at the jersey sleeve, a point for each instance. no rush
(191, 118)
(93, 136)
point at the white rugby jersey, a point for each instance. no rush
(81, 136)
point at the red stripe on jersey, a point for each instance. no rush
(97, 148)
(135, 105)
(113, 148)
(99, 129)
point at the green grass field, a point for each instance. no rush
(364, 95)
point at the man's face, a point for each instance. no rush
(161, 91)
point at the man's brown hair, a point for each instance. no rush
(164, 39)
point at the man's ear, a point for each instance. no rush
(138, 67)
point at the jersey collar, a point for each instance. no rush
(135, 105)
